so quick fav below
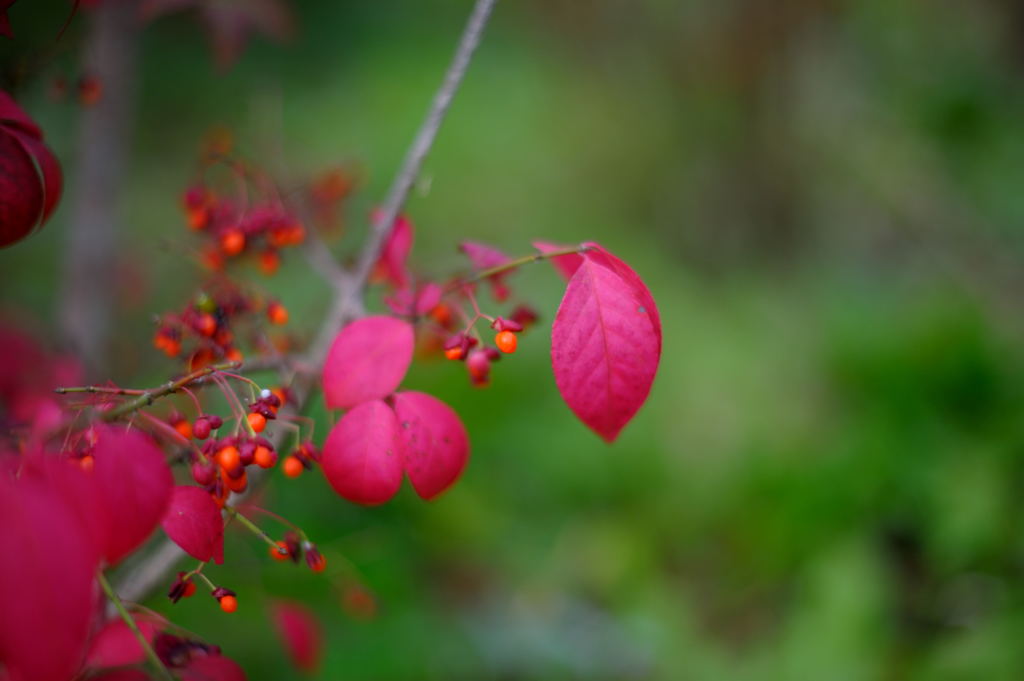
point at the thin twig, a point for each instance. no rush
(161, 670)
(513, 264)
(147, 397)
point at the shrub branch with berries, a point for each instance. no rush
(96, 469)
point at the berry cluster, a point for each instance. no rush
(235, 231)
(462, 345)
(207, 325)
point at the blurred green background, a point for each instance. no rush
(825, 199)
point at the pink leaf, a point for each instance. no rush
(135, 486)
(362, 454)
(300, 632)
(435, 447)
(600, 255)
(193, 522)
(47, 587)
(605, 344)
(485, 257)
(212, 668)
(391, 265)
(565, 264)
(115, 644)
(367, 361)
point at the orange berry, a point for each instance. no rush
(86, 462)
(232, 242)
(281, 552)
(280, 395)
(172, 348)
(228, 458)
(206, 324)
(442, 314)
(319, 564)
(198, 218)
(506, 341)
(263, 457)
(277, 313)
(453, 353)
(228, 604)
(292, 467)
(269, 262)
(190, 589)
(257, 422)
(233, 355)
(184, 428)
(238, 484)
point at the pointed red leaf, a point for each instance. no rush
(115, 644)
(194, 523)
(367, 361)
(599, 254)
(605, 344)
(435, 447)
(135, 486)
(300, 633)
(362, 455)
(565, 264)
(47, 586)
(211, 668)
(391, 266)
(13, 115)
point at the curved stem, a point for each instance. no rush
(151, 655)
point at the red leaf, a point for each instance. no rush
(122, 675)
(435, 447)
(12, 115)
(115, 644)
(391, 265)
(193, 522)
(485, 257)
(53, 179)
(600, 255)
(135, 486)
(565, 264)
(605, 344)
(47, 587)
(212, 668)
(367, 361)
(300, 632)
(21, 192)
(362, 455)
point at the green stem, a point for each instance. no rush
(251, 526)
(513, 264)
(161, 670)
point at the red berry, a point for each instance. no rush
(264, 457)
(453, 353)
(228, 603)
(269, 262)
(190, 589)
(257, 422)
(201, 429)
(506, 341)
(281, 552)
(293, 467)
(277, 313)
(228, 458)
(232, 241)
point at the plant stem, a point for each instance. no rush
(147, 397)
(161, 670)
(513, 264)
(251, 526)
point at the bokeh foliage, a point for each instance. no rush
(824, 197)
